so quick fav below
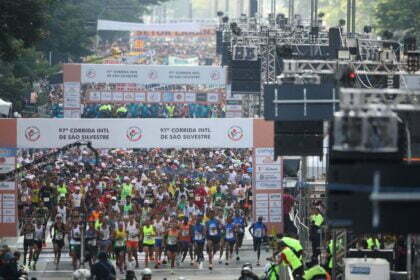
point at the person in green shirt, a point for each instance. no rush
(126, 188)
(316, 272)
(218, 197)
(182, 204)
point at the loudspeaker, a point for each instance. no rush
(350, 186)
(299, 127)
(245, 76)
(297, 145)
(335, 42)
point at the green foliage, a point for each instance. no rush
(31, 30)
(22, 24)
(402, 17)
(17, 77)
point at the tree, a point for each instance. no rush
(22, 24)
(399, 16)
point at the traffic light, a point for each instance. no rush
(348, 77)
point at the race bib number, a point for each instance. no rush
(171, 240)
(198, 236)
(229, 234)
(185, 232)
(46, 199)
(133, 235)
(119, 243)
(197, 198)
(148, 238)
(59, 236)
(258, 232)
(29, 236)
(213, 231)
(92, 242)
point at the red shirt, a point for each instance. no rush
(199, 195)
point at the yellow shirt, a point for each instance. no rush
(213, 190)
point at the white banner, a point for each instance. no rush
(157, 27)
(212, 97)
(174, 60)
(154, 97)
(140, 96)
(136, 133)
(129, 96)
(153, 74)
(71, 95)
(118, 96)
(268, 173)
(190, 97)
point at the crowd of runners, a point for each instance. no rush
(173, 205)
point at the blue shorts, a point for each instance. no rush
(230, 241)
(158, 243)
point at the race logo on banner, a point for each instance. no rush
(190, 97)
(128, 96)
(154, 97)
(168, 97)
(179, 97)
(106, 96)
(212, 97)
(140, 97)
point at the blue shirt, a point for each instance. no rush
(213, 229)
(230, 232)
(198, 233)
(258, 230)
(240, 222)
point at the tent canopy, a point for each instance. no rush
(5, 107)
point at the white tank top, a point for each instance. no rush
(104, 233)
(160, 229)
(75, 233)
(62, 212)
(133, 232)
(39, 233)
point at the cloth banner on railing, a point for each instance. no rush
(174, 60)
(153, 74)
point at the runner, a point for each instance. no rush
(28, 241)
(172, 237)
(105, 243)
(120, 237)
(75, 235)
(160, 226)
(213, 235)
(230, 238)
(220, 217)
(61, 210)
(133, 240)
(39, 239)
(91, 244)
(258, 230)
(185, 240)
(148, 236)
(199, 239)
(240, 224)
(57, 232)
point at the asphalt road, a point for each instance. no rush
(46, 268)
